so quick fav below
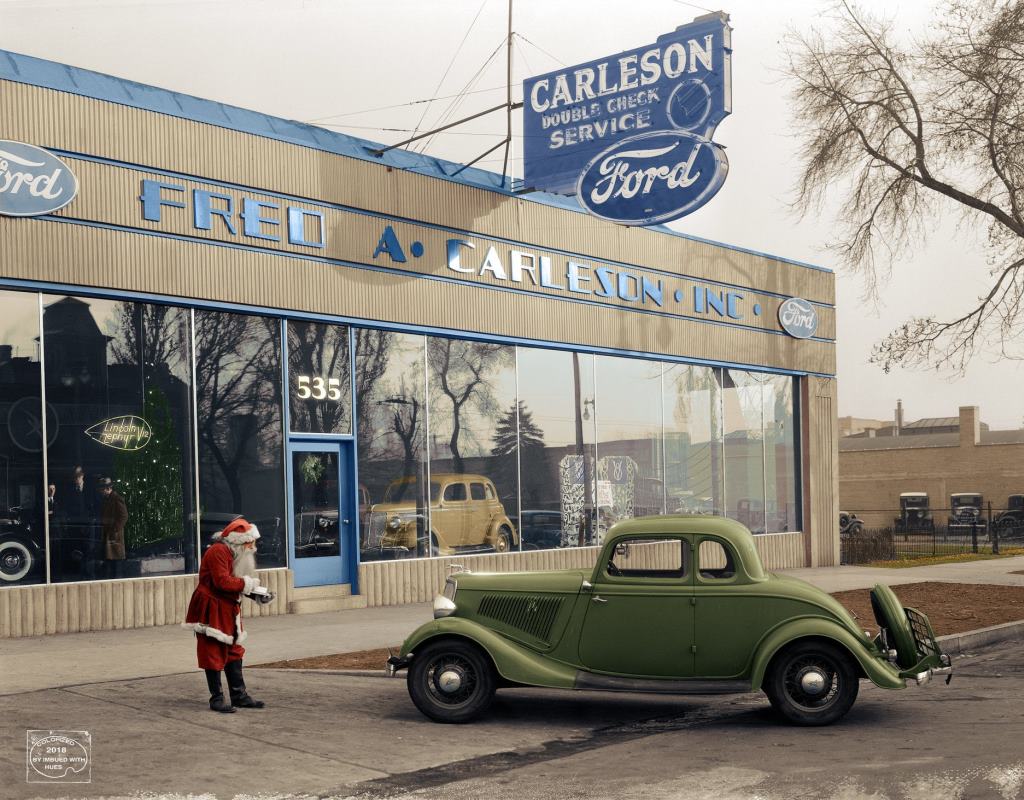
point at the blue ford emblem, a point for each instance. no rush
(798, 318)
(652, 177)
(33, 181)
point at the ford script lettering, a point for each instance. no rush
(798, 318)
(33, 181)
(652, 178)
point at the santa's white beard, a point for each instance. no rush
(244, 562)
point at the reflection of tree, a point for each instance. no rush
(373, 351)
(535, 478)
(319, 351)
(148, 335)
(698, 419)
(463, 372)
(405, 420)
(238, 379)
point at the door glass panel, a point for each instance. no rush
(319, 378)
(316, 499)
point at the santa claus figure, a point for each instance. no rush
(226, 575)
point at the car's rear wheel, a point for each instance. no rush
(503, 541)
(15, 560)
(451, 681)
(812, 683)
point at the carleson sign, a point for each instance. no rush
(630, 134)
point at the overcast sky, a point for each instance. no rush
(325, 60)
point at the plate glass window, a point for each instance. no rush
(319, 378)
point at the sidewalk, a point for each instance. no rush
(37, 663)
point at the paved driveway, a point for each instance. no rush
(345, 736)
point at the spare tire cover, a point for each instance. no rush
(890, 615)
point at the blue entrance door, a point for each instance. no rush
(322, 526)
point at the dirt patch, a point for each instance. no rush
(363, 659)
(951, 607)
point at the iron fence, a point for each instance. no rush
(912, 533)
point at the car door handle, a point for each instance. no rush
(597, 599)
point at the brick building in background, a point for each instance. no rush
(937, 456)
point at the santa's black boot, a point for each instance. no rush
(239, 697)
(217, 702)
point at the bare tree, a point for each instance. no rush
(906, 132)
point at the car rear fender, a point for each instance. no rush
(512, 661)
(877, 670)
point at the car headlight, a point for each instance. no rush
(401, 520)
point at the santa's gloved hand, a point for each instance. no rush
(251, 584)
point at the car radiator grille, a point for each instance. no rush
(531, 614)
(922, 630)
(375, 531)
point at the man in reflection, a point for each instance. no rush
(226, 574)
(113, 518)
(77, 531)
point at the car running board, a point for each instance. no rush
(611, 683)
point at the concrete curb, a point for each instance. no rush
(960, 643)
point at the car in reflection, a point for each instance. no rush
(915, 516)
(21, 556)
(465, 515)
(674, 605)
(540, 529)
(1011, 521)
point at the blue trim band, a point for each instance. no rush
(88, 291)
(290, 198)
(66, 220)
(40, 72)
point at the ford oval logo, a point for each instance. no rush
(652, 177)
(798, 318)
(33, 181)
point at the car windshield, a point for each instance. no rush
(974, 501)
(404, 491)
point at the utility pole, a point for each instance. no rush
(508, 97)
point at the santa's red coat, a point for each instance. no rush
(215, 610)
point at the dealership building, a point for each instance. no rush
(388, 362)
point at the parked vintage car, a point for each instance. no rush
(675, 604)
(1011, 521)
(850, 524)
(466, 515)
(965, 511)
(914, 514)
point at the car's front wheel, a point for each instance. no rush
(16, 560)
(812, 683)
(451, 681)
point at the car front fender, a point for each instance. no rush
(880, 672)
(513, 661)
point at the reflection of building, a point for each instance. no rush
(396, 317)
(959, 454)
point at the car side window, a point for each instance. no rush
(649, 558)
(455, 491)
(715, 561)
(490, 491)
(476, 491)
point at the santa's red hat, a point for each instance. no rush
(238, 531)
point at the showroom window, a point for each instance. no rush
(241, 440)
(118, 377)
(25, 501)
(319, 378)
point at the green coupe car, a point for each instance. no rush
(675, 604)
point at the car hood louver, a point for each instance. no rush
(533, 615)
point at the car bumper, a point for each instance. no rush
(396, 663)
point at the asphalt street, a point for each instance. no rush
(332, 735)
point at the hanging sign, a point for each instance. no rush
(798, 318)
(33, 181)
(630, 134)
(121, 433)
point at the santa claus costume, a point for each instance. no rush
(226, 574)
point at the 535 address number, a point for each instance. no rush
(317, 388)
